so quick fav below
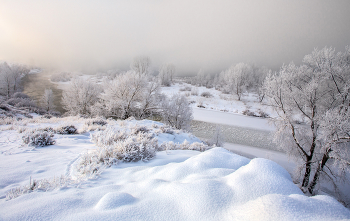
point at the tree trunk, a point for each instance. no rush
(307, 174)
(318, 171)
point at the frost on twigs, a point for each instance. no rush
(39, 185)
(117, 146)
(38, 138)
(66, 130)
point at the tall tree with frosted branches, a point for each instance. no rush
(312, 101)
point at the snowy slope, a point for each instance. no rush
(175, 185)
(180, 185)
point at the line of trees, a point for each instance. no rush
(236, 80)
(135, 93)
(10, 78)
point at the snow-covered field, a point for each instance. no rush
(218, 101)
(175, 185)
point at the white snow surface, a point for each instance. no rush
(176, 185)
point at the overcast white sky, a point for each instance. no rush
(192, 34)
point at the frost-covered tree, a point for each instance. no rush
(141, 65)
(130, 94)
(80, 97)
(177, 112)
(151, 99)
(10, 78)
(312, 101)
(166, 74)
(47, 100)
(236, 77)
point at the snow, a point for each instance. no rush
(225, 103)
(175, 185)
(180, 185)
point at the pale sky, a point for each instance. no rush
(192, 34)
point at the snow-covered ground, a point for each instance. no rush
(219, 101)
(175, 185)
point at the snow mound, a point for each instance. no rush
(181, 185)
(114, 200)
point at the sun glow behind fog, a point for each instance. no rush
(191, 34)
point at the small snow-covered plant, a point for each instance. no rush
(262, 114)
(206, 94)
(199, 146)
(42, 184)
(194, 91)
(139, 129)
(184, 146)
(38, 138)
(167, 130)
(168, 146)
(249, 113)
(66, 130)
(108, 136)
(136, 148)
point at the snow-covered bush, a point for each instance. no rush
(194, 91)
(206, 94)
(70, 129)
(262, 114)
(186, 88)
(38, 138)
(183, 146)
(36, 185)
(249, 113)
(117, 146)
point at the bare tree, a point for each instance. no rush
(141, 65)
(312, 101)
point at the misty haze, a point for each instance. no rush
(174, 110)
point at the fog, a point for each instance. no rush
(193, 35)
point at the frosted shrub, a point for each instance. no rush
(66, 130)
(139, 129)
(194, 91)
(184, 146)
(206, 94)
(141, 147)
(263, 114)
(249, 113)
(38, 138)
(36, 185)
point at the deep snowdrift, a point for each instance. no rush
(180, 185)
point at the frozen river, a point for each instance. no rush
(238, 129)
